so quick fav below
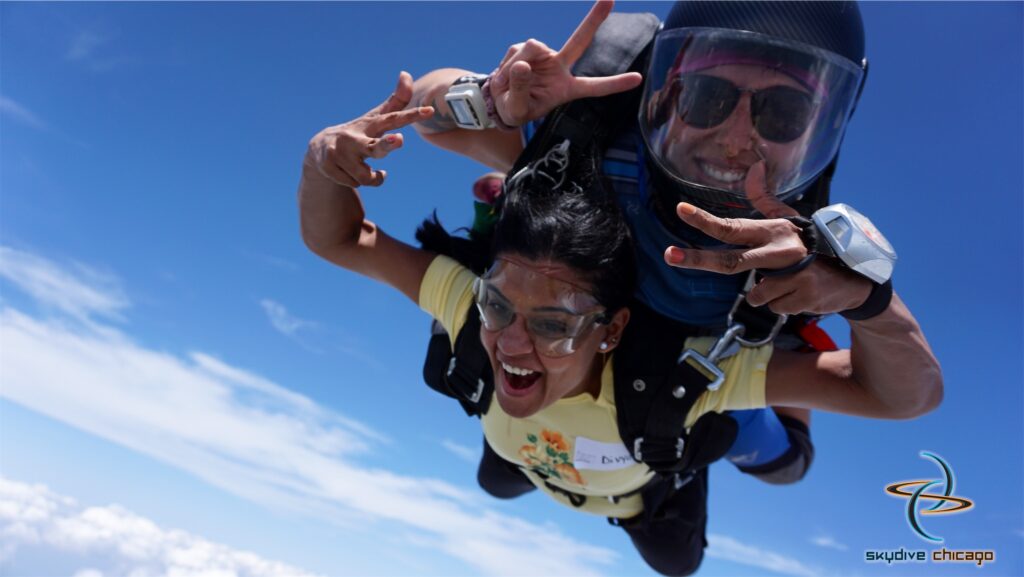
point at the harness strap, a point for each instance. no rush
(654, 394)
(469, 377)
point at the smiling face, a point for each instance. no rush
(719, 156)
(546, 297)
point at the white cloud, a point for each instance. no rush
(828, 542)
(83, 294)
(306, 333)
(259, 440)
(729, 549)
(461, 451)
(271, 261)
(84, 45)
(282, 320)
(34, 516)
(14, 110)
(254, 438)
(90, 48)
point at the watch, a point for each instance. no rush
(850, 237)
(466, 99)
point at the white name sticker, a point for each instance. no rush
(597, 456)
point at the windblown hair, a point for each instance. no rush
(558, 210)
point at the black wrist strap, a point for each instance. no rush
(812, 240)
(877, 302)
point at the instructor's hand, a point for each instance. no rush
(533, 79)
(821, 288)
(339, 153)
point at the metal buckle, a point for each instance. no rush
(706, 364)
(638, 455)
(475, 397)
(781, 320)
(680, 482)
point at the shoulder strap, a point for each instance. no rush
(468, 376)
(620, 45)
(650, 405)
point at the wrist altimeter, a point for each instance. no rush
(850, 237)
(466, 99)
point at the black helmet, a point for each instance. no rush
(731, 84)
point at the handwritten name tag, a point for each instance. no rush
(597, 456)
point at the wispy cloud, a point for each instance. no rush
(264, 442)
(84, 45)
(314, 336)
(12, 109)
(271, 261)
(461, 451)
(285, 323)
(91, 49)
(82, 294)
(828, 542)
(115, 541)
(256, 439)
(729, 549)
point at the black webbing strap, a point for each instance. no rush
(758, 321)
(469, 377)
(651, 418)
(662, 443)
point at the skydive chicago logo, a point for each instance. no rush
(944, 503)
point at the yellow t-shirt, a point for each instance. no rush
(574, 444)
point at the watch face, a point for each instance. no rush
(870, 231)
(463, 115)
(840, 229)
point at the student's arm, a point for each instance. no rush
(492, 147)
(531, 81)
(332, 218)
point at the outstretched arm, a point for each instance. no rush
(492, 147)
(332, 218)
(531, 81)
(889, 370)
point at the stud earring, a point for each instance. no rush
(604, 346)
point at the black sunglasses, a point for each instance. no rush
(780, 113)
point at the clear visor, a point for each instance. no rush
(716, 102)
(557, 314)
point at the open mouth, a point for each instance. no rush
(517, 380)
(728, 176)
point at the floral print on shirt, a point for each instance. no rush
(548, 456)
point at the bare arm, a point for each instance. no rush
(889, 371)
(332, 217)
(531, 81)
(492, 147)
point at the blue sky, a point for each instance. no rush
(185, 388)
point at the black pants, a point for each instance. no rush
(671, 541)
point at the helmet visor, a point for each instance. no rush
(716, 102)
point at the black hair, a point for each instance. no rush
(564, 214)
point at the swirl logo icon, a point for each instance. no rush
(916, 491)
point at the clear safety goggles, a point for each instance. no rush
(796, 100)
(557, 315)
